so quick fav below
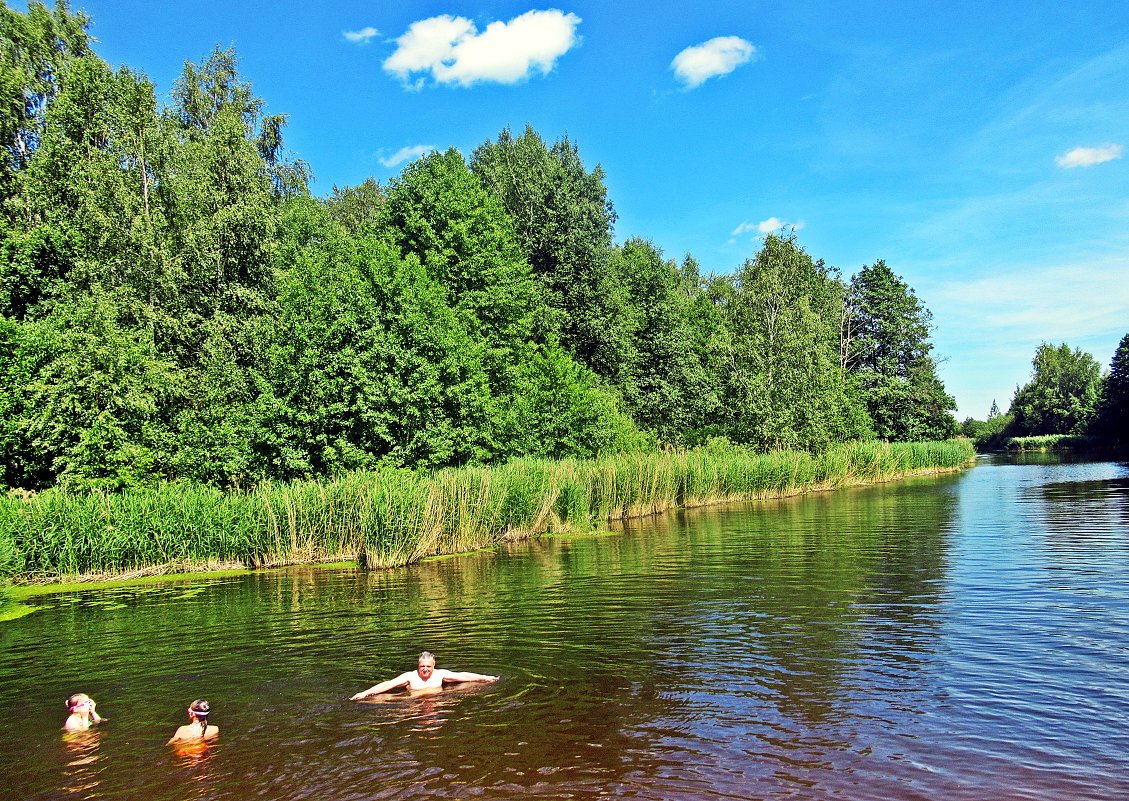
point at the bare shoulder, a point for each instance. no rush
(191, 732)
(182, 733)
(408, 678)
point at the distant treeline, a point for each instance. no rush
(1068, 403)
(175, 305)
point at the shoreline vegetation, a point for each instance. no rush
(394, 518)
(203, 365)
(1055, 442)
(1051, 443)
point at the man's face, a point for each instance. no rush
(426, 668)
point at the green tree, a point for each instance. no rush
(665, 384)
(365, 364)
(86, 203)
(206, 93)
(1062, 395)
(888, 351)
(360, 209)
(1113, 411)
(81, 271)
(96, 403)
(34, 50)
(560, 409)
(225, 183)
(34, 266)
(218, 426)
(20, 361)
(563, 223)
(785, 386)
(438, 212)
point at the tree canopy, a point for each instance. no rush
(175, 305)
(1113, 409)
(888, 351)
(1062, 395)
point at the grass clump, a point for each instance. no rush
(1050, 442)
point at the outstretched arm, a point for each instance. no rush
(400, 681)
(458, 676)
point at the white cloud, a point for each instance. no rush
(719, 56)
(1088, 156)
(453, 51)
(363, 36)
(406, 154)
(769, 226)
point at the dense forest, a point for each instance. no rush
(176, 305)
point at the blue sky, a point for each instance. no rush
(977, 147)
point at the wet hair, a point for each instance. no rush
(428, 656)
(200, 709)
(76, 699)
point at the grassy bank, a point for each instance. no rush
(397, 517)
(1053, 442)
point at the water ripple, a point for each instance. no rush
(962, 637)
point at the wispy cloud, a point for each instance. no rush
(406, 154)
(452, 50)
(719, 56)
(1037, 308)
(1088, 156)
(991, 342)
(363, 36)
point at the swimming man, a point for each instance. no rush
(424, 677)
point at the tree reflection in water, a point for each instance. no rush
(926, 639)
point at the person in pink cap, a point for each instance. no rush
(83, 713)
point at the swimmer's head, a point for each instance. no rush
(78, 701)
(198, 712)
(426, 665)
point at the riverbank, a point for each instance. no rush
(398, 517)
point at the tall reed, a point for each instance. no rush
(398, 516)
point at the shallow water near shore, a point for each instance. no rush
(962, 637)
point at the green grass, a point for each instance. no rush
(1049, 442)
(398, 517)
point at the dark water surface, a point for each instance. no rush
(963, 637)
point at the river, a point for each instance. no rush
(955, 637)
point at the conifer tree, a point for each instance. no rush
(1113, 411)
(890, 357)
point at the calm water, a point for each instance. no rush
(965, 637)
